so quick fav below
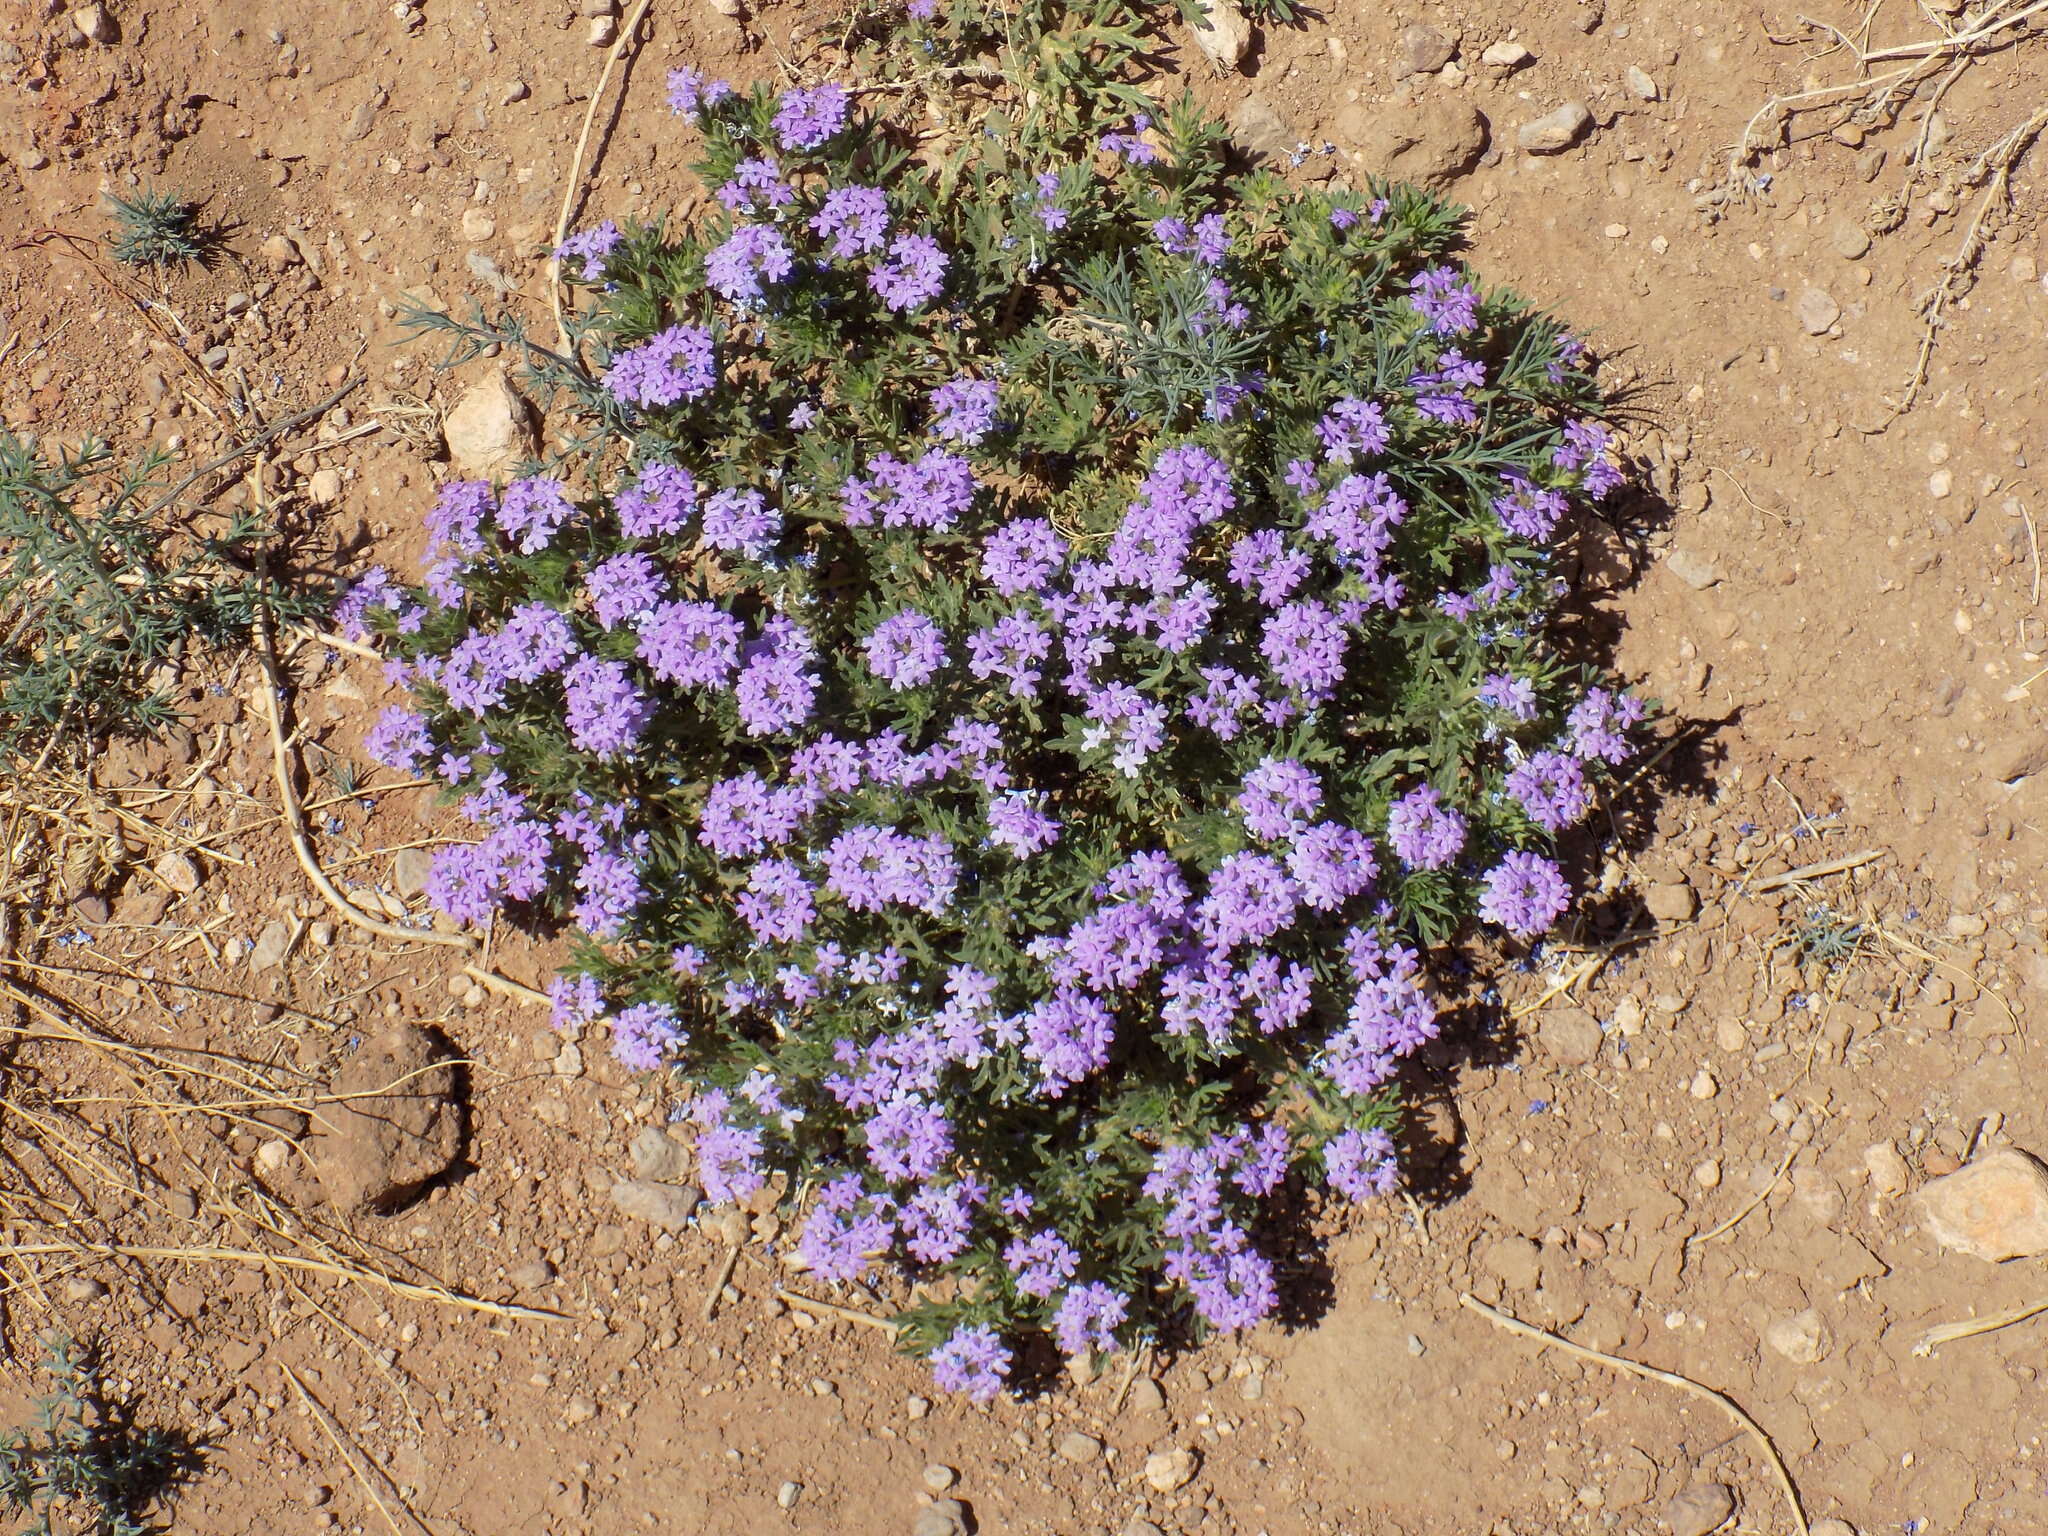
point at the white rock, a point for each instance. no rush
(1802, 1338)
(1888, 1173)
(604, 31)
(658, 1156)
(478, 225)
(273, 1155)
(1555, 131)
(323, 486)
(94, 23)
(1640, 85)
(1996, 1208)
(272, 945)
(1818, 311)
(489, 430)
(1170, 1470)
(1224, 35)
(667, 1206)
(178, 872)
(1506, 56)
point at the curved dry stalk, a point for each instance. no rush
(1629, 1367)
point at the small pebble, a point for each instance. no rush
(1640, 85)
(788, 1494)
(1707, 1175)
(939, 1478)
(1703, 1085)
(1077, 1447)
(1702, 1508)
(1170, 1470)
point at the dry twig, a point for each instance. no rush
(359, 1464)
(1628, 1367)
(626, 40)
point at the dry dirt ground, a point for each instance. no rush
(1694, 1145)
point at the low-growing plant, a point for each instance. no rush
(1072, 624)
(98, 592)
(80, 1465)
(154, 228)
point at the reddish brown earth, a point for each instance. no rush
(1844, 624)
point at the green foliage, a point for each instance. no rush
(97, 592)
(80, 1465)
(156, 229)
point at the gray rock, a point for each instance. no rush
(272, 945)
(1695, 570)
(945, 1517)
(410, 869)
(389, 1123)
(178, 872)
(1556, 131)
(1802, 1338)
(940, 1478)
(1422, 50)
(1569, 1035)
(667, 1206)
(489, 431)
(280, 251)
(84, 1288)
(513, 90)
(1507, 57)
(1259, 127)
(1145, 1398)
(531, 1275)
(787, 1495)
(1818, 311)
(1699, 1509)
(1995, 1209)
(1671, 901)
(1078, 1447)
(658, 1156)
(1640, 85)
(1850, 240)
(323, 486)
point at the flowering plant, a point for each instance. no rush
(1064, 636)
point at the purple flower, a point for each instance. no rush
(463, 882)
(679, 363)
(611, 893)
(1050, 213)
(1010, 648)
(1016, 822)
(846, 1228)
(1597, 725)
(1442, 297)
(1021, 555)
(1278, 797)
(913, 274)
(398, 740)
(777, 903)
(776, 690)
(1360, 1164)
(744, 815)
(1353, 429)
(806, 119)
(691, 92)
(1304, 645)
(694, 645)
(532, 510)
(1041, 1263)
(1251, 898)
(590, 247)
(964, 409)
(1069, 1035)
(1132, 145)
(659, 502)
(1527, 511)
(939, 1219)
(741, 521)
(727, 1156)
(606, 713)
(644, 1036)
(624, 588)
(535, 642)
(1514, 696)
(1425, 833)
(574, 1000)
(908, 1139)
(1525, 894)
(1331, 863)
(1585, 444)
(756, 184)
(930, 492)
(1088, 1317)
(854, 219)
(456, 520)
(1264, 561)
(906, 650)
(752, 255)
(1552, 788)
(974, 1360)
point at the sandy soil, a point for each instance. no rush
(1666, 1147)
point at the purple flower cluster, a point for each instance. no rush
(806, 119)
(676, 364)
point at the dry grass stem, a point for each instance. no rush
(1629, 1367)
(1756, 1200)
(627, 40)
(367, 1473)
(1821, 870)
